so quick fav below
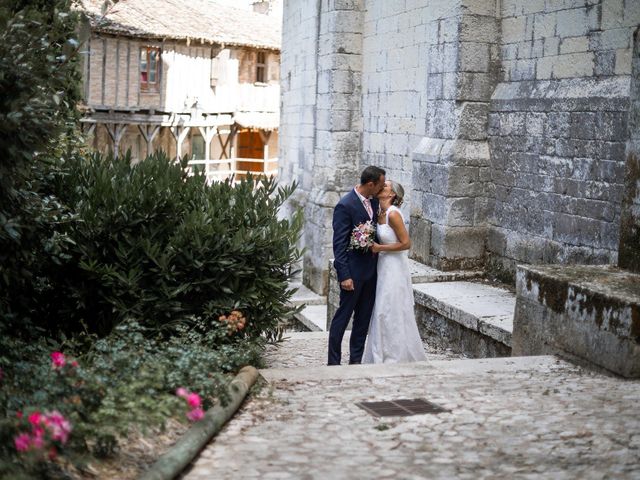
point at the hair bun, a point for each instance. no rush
(399, 191)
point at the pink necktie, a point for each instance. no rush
(367, 206)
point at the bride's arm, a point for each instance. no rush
(396, 222)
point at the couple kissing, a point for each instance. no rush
(370, 247)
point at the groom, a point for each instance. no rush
(357, 271)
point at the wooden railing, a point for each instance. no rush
(219, 170)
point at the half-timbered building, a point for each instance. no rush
(194, 78)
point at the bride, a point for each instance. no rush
(393, 335)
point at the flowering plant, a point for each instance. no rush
(44, 432)
(235, 321)
(362, 237)
(194, 402)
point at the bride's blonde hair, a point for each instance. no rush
(399, 191)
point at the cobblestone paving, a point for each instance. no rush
(309, 349)
(529, 418)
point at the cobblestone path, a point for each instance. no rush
(309, 349)
(529, 418)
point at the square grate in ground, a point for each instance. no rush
(401, 408)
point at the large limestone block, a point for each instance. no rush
(591, 313)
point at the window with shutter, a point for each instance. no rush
(150, 69)
(261, 67)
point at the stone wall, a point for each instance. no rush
(450, 165)
(320, 117)
(394, 104)
(630, 218)
(557, 130)
(505, 121)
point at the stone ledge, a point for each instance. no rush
(420, 273)
(588, 312)
(485, 309)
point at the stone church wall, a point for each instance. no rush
(557, 130)
(505, 121)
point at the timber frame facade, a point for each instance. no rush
(217, 104)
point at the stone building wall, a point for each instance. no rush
(505, 120)
(557, 129)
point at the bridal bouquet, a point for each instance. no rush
(362, 237)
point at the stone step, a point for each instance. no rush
(313, 317)
(420, 273)
(350, 372)
(484, 309)
(306, 296)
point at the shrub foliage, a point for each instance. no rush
(151, 243)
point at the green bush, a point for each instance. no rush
(39, 81)
(150, 243)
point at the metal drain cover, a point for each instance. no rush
(401, 408)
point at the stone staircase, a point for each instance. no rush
(454, 310)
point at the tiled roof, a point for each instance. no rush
(196, 20)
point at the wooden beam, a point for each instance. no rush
(265, 142)
(149, 133)
(116, 132)
(127, 103)
(223, 145)
(88, 129)
(104, 66)
(87, 74)
(232, 148)
(208, 134)
(179, 134)
(102, 115)
(117, 70)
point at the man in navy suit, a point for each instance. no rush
(357, 271)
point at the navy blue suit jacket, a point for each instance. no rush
(348, 213)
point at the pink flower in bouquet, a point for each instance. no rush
(195, 414)
(362, 237)
(58, 360)
(194, 400)
(22, 442)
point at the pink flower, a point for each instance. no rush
(74, 364)
(58, 426)
(19, 414)
(194, 400)
(182, 392)
(37, 439)
(35, 418)
(195, 414)
(22, 442)
(58, 360)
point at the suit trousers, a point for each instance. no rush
(358, 302)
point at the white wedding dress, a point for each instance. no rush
(393, 334)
